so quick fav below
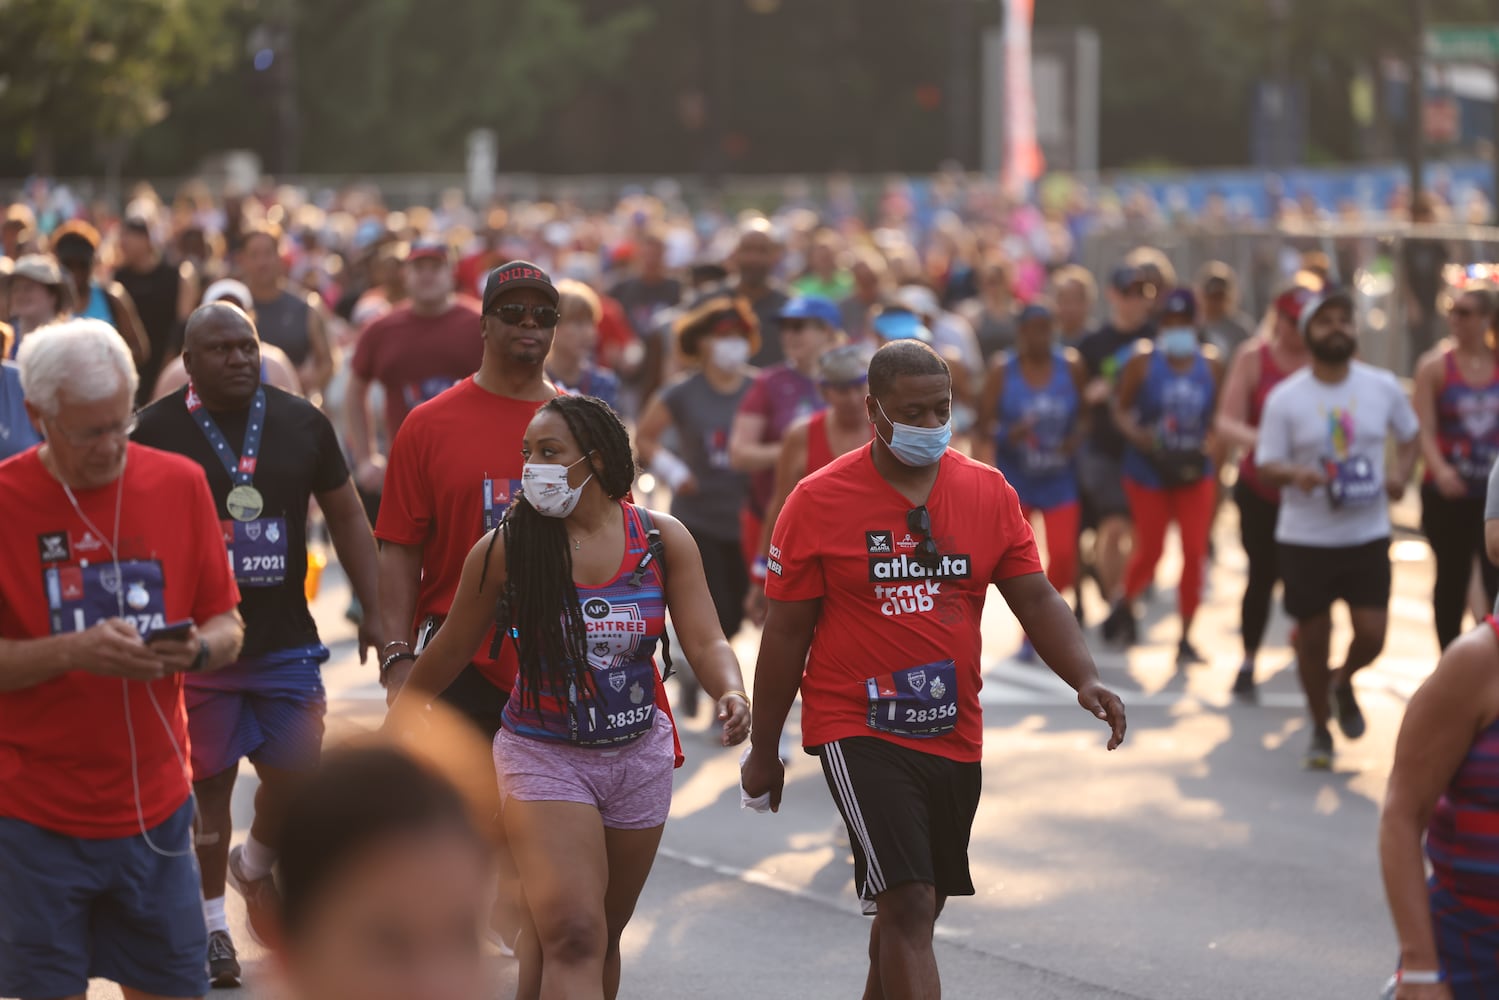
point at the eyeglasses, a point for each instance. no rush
(95, 436)
(919, 522)
(514, 313)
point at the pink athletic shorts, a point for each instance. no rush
(630, 786)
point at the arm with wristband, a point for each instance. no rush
(667, 467)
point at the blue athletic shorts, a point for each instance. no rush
(268, 708)
(72, 909)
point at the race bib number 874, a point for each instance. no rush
(79, 597)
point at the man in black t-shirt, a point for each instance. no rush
(266, 453)
(163, 294)
(1100, 475)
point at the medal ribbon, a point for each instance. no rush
(241, 468)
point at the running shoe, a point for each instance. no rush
(1187, 654)
(1345, 710)
(1026, 653)
(262, 899)
(1120, 627)
(223, 961)
(1126, 629)
(1319, 754)
(1244, 688)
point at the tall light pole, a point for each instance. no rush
(1416, 140)
(1280, 73)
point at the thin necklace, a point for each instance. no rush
(578, 542)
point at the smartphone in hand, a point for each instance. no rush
(174, 632)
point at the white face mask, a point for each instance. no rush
(545, 488)
(729, 353)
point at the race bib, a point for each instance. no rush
(497, 496)
(920, 702)
(257, 551)
(1039, 462)
(1353, 482)
(624, 705)
(79, 597)
(1473, 463)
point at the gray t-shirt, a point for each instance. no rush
(1491, 504)
(1342, 428)
(702, 417)
(1228, 333)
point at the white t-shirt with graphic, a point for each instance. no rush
(1343, 428)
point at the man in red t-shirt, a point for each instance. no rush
(110, 552)
(417, 351)
(454, 467)
(877, 574)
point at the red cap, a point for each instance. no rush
(429, 250)
(1291, 301)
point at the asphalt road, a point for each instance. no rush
(1198, 862)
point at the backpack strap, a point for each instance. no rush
(655, 549)
(655, 553)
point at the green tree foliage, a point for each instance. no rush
(652, 85)
(75, 70)
(402, 82)
(1179, 75)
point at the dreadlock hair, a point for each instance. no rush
(539, 605)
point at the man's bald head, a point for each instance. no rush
(216, 317)
(221, 353)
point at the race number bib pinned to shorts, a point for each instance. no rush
(919, 702)
(624, 706)
(257, 551)
(1353, 482)
(79, 597)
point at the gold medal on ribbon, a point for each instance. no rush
(245, 503)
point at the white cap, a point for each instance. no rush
(919, 299)
(229, 288)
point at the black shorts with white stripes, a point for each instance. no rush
(909, 814)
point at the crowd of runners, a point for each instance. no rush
(851, 430)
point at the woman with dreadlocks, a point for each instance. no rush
(577, 578)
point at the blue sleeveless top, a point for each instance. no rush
(1177, 407)
(1036, 466)
(98, 304)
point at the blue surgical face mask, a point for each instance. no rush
(917, 447)
(1178, 341)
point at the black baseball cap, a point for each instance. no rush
(517, 274)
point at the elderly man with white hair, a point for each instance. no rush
(113, 584)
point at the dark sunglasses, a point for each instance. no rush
(1464, 311)
(514, 313)
(919, 522)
